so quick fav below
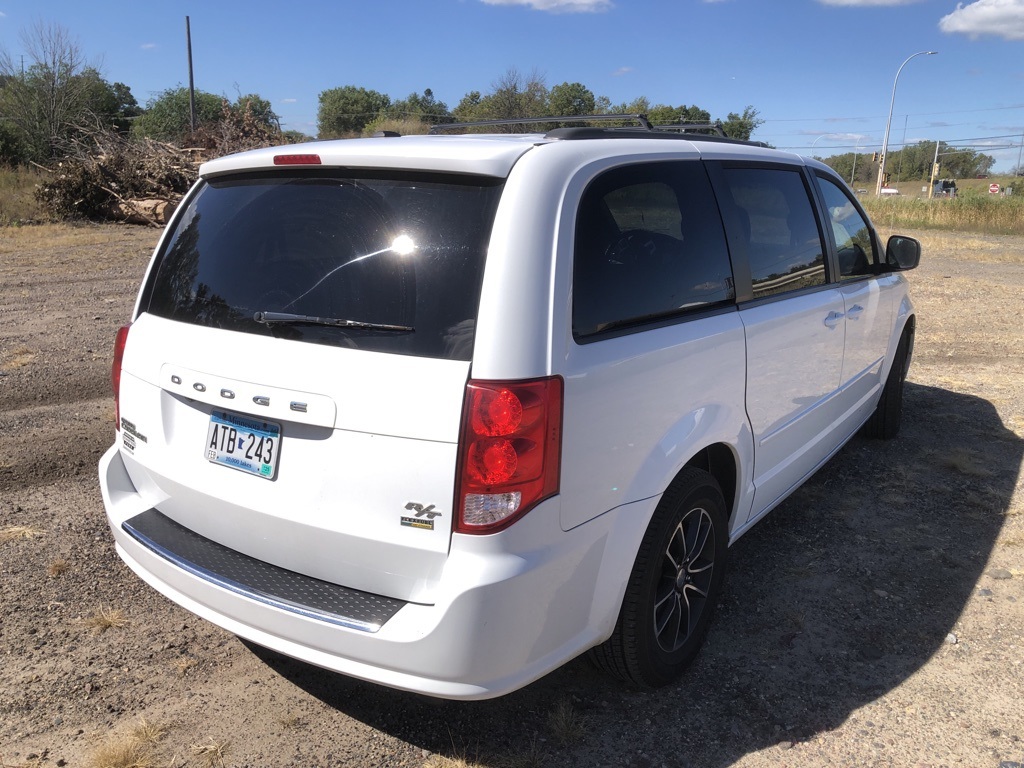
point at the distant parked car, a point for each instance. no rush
(889, 191)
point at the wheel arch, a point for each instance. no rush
(718, 460)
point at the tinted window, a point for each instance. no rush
(649, 245)
(850, 232)
(779, 231)
(403, 252)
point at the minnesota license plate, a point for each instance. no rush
(244, 443)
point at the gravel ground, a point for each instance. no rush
(875, 619)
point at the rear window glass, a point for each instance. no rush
(369, 261)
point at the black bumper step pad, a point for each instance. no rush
(258, 580)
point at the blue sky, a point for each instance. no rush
(820, 72)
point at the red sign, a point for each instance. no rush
(993, 189)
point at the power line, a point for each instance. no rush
(879, 117)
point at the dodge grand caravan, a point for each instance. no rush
(444, 412)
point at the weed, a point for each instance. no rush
(213, 753)
(136, 749)
(972, 211)
(566, 724)
(57, 567)
(530, 757)
(18, 203)
(440, 761)
(19, 532)
(104, 619)
(184, 664)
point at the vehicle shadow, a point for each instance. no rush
(836, 598)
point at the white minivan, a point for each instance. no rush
(444, 412)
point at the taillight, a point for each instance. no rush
(115, 372)
(510, 450)
(296, 159)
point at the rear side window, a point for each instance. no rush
(649, 246)
(386, 263)
(779, 230)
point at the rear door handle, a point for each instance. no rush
(855, 311)
(833, 319)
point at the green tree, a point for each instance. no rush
(514, 95)
(422, 108)
(259, 108)
(740, 126)
(571, 99)
(865, 172)
(665, 115)
(347, 110)
(56, 97)
(167, 116)
(112, 104)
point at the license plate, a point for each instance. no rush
(240, 442)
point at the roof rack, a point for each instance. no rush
(643, 130)
(641, 119)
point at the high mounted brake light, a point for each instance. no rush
(296, 159)
(509, 451)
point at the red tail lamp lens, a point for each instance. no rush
(493, 461)
(496, 412)
(509, 451)
(115, 371)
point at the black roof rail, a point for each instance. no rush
(686, 127)
(638, 118)
(643, 130)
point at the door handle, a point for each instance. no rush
(833, 319)
(855, 311)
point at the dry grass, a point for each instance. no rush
(136, 749)
(19, 533)
(981, 249)
(104, 619)
(972, 211)
(18, 357)
(18, 202)
(291, 721)
(184, 664)
(57, 567)
(212, 754)
(48, 237)
(440, 761)
(964, 461)
(567, 725)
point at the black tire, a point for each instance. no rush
(884, 423)
(674, 586)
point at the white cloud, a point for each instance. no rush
(288, 101)
(1004, 18)
(856, 3)
(559, 6)
(148, 46)
(622, 71)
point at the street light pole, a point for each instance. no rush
(888, 123)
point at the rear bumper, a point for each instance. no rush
(510, 607)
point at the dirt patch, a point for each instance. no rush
(875, 619)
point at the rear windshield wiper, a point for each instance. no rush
(273, 318)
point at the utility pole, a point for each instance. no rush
(934, 173)
(853, 173)
(191, 82)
